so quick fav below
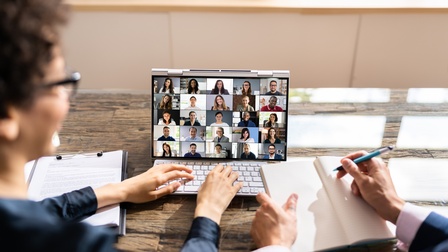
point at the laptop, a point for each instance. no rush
(201, 118)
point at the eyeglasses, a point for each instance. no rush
(70, 84)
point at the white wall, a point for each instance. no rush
(116, 50)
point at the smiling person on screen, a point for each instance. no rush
(247, 154)
(192, 152)
(272, 106)
(193, 135)
(192, 121)
(245, 120)
(271, 153)
(220, 138)
(35, 93)
(273, 88)
(192, 104)
(166, 135)
(218, 120)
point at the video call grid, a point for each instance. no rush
(225, 119)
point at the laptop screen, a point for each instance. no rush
(219, 114)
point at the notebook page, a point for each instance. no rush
(360, 221)
(318, 226)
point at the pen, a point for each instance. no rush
(369, 156)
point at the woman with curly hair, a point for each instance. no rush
(193, 87)
(35, 92)
(272, 121)
(166, 102)
(166, 119)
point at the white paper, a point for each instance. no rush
(52, 177)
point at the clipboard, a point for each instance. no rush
(54, 175)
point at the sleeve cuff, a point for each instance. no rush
(205, 228)
(409, 221)
(81, 203)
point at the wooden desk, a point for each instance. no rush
(110, 121)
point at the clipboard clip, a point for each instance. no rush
(71, 155)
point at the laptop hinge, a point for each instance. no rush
(176, 71)
(265, 73)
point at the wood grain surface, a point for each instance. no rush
(108, 121)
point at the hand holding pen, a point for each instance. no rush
(373, 183)
(369, 156)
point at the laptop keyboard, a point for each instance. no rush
(249, 174)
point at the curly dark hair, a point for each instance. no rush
(28, 35)
(190, 89)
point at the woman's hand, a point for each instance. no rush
(216, 192)
(144, 187)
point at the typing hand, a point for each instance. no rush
(216, 192)
(275, 225)
(372, 182)
(142, 188)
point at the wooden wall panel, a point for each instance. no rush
(117, 50)
(317, 49)
(402, 50)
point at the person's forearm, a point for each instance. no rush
(110, 194)
(208, 212)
